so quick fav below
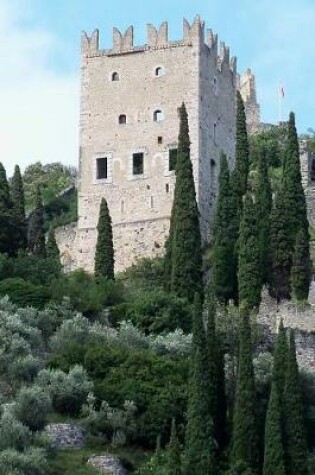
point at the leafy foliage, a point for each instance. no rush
(104, 253)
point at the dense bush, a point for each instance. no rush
(86, 294)
(13, 434)
(24, 293)
(156, 311)
(34, 269)
(32, 406)
(147, 274)
(30, 462)
(157, 385)
(68, 391)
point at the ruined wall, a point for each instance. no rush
(190, 70)
(247, 87)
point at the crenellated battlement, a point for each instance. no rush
(194, 34)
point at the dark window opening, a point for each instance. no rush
(159, 72)
(122, 119)
(160, 140)
(115, 77)
(137, 163)
(101, 168)
(214, 132)
(172, 159)
(158, 116)
(313, 169)
(167, 188)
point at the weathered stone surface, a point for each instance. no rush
(65, 436)
(107, 464)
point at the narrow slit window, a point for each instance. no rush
(137, 164)
(158, 115)
(313, 169)
(167, 188)
(172, 159)
(160, 140)
(115, 77)
(101, 168)
(214, 132)
(122, 119)
(159, 71)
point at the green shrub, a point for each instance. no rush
(147, 274)
(32, 406)
(35, 269)
(86, 294)
(24, 293)
(156, 311)
(13, 434)
(68, 391)
(30, 462)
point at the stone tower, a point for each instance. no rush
(248, 93)
(129, 126)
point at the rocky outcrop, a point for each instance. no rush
(65, 436)
(107, 464)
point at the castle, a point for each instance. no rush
(129, 126)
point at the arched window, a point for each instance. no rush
(115, 77)
(122, 119)
(158, 115)
(159, 71)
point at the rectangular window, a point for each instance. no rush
(101, 168)
(172, 159)
(137, 163)
(160, 140)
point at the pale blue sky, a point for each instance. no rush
(39, 69)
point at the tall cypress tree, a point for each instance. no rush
(36, 242)
(301, 266)
(280, 286)
(241, 151)
(264, 206)
(294, 198)
(249, 273)
(7, 221)
(173, 453)
(186, 256)
(244, 437)
(217, 394)
(274, 453)
(280, 361)
(51, 247)
(18, 200)
(225, 235)
(295, 441)
(199, 446)
(104, 253)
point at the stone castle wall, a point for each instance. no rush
(193, 70)
(247, 87)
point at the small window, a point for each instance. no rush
(101, 168)
(137, 164)
(159, 72)
(313, 170)
(215, 86)
(158, 115)
(122, 119)
(152, 202)
(172, 159)
(115, 77)
(214, 132)
(167, 188)
(160, 140)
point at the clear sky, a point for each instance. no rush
(39, 61)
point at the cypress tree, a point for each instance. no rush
(186, 256)
(244, 437)
(173, 453)
(280, 360)
(264, 206)
(241, 151)
(217, 395)
(7, 221)
(295, 441)
(294, 199)
(301, 266)
(18, 200)
(274, 453)
(225, 232)
(104, 253)
(36, 242)
(280, 286)
(199, 450)
(249, 273)
(51, 247)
